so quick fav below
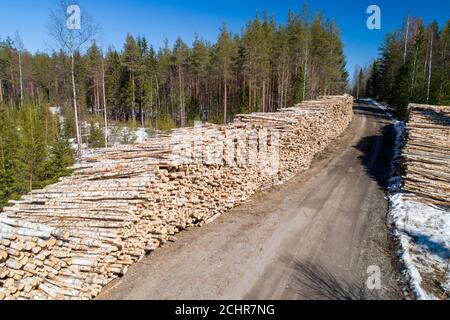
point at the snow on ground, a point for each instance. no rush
(424, 235)
(141, 135)
(116, 136)
(376, 103)
(421, 230)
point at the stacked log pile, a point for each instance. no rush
(427, 153)
(70, 239)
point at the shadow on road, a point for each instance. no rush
(315, 282)
(377, 153)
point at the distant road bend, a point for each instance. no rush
(312, 238)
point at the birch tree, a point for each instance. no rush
(18, 44)
(406, 35)
(71, 37)
(105, 110)
(430, 63)
(417, 70)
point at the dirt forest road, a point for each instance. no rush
(312, 238)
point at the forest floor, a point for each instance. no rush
(314, 237)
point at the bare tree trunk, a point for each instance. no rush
(95, 95)
(426, 62)
(250, 95)
(56, 88)
(430, 65)
(444, 68)
(39, 95)
(272, 96)
(1, 91)
(280, 92)
(141, 108)
(225, 94)
(171, 93)
(20, 77)
(305, 74)
(357, 87)
(75, 107)
(13, 96)
(158, 101)
(406, 39)
(269, 93)
(263, 102)
(46, 129)
(286, 86)
(182, 109)
(283, 91)
(255, 96)
(413, 78)
(133, 97)
(32, 143)
(105, 113)
(152, 105)
(98, 95)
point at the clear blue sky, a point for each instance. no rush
(160, 19)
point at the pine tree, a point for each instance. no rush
(113, 83)
(11, 168)
(32, 151)
(96, 136)
(413, 66)
(200, 66)
(181, 58)
(131, 61)
(299, 51)
(224, 59)
(59, 160)
(94, 61)
(374, 87)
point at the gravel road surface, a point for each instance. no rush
(314, 237)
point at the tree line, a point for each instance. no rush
(267, 66)
(264, 68)
(413, 66)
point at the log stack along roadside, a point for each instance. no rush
(427, 154)
(70, 239)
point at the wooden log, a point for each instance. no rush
(75, 236)
(426, 155)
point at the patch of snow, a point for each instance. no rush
(424, 235)
(376, 103)
(87, 152)
(141, 135)
(55, 110)
(116, 136)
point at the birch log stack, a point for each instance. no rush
(427, 153)
(70, 239)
